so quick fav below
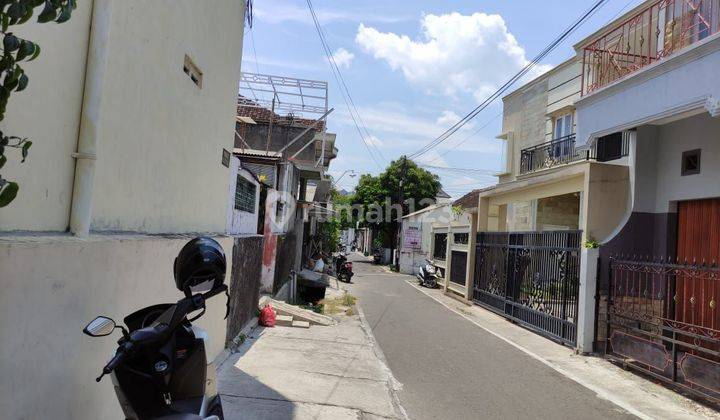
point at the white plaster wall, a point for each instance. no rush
(563, 86)
(679, 83)
(698, 132)
(48, 113)
(161, 137)
(239, 221)
(48, 365)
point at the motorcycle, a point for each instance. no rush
(343, 268)
(377, 256)
(160, 369)
(427, 275)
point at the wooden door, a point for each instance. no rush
(697, 296)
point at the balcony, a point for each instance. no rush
(562, 151)
(553, 153)
(653, 33)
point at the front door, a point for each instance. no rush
(697, 301)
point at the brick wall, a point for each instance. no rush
(558, 212)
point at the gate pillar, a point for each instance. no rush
(587, 299)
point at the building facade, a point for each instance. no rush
(136, 103)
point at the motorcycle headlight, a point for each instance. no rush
(431, 269)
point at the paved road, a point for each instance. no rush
(452, 369)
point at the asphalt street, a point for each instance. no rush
(452, 369)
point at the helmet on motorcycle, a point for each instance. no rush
(200, 265)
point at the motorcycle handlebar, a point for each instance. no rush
(113, 363)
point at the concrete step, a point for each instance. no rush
(298, 314)
(284, 320)
(301, 324)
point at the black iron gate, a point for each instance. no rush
(531, 278)
(663, 320)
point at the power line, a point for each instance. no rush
(467, 138)
(345, 91)
(472, 114)
(451, 169)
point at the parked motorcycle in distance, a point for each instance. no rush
(428, 275)
(343, 268)
(377, 256)
(160, 368)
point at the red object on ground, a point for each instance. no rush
(267, 316)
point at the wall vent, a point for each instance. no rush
(193, 71)
(690, 162)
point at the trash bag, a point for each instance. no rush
(267, 316)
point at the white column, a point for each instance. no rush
(586, 299)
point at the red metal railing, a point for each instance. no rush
(657, 31)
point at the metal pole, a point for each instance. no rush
(299, 136)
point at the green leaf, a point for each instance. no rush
(17, 10)
(5, 22)
(26, 49)
(25, 148)
(8, 194)
(48, 14)
(3, 159)
(10, 42)
(22, 83)
(28, 14)
(35, 53)
(65, 14)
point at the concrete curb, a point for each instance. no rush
(393, 384)
(237, 341)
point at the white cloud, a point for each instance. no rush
(343, 57)
(447, 118)
(456, 54)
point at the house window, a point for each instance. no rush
(461, 238)
(244, 195)
(563, 126)
(691, 162)
(611, 147)
(440, 247)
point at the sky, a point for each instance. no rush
(414, 68)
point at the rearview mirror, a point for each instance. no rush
(100, 327)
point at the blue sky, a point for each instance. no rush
(414, 67)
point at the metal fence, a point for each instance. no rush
(660, 29)
(663, 320)
(550, 154)
(531, 278)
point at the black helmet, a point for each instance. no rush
(201, 260)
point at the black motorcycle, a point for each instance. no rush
(160, 368)
(427, 276)
(343, 268)
(377, 256)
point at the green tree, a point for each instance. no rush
(16, 50)
(420, 189)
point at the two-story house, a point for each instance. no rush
(652, 76)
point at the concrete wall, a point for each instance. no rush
(48, 113)
(411, 260)
(48, 365)
(524, 116)
(160, 137)
(680, 83)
